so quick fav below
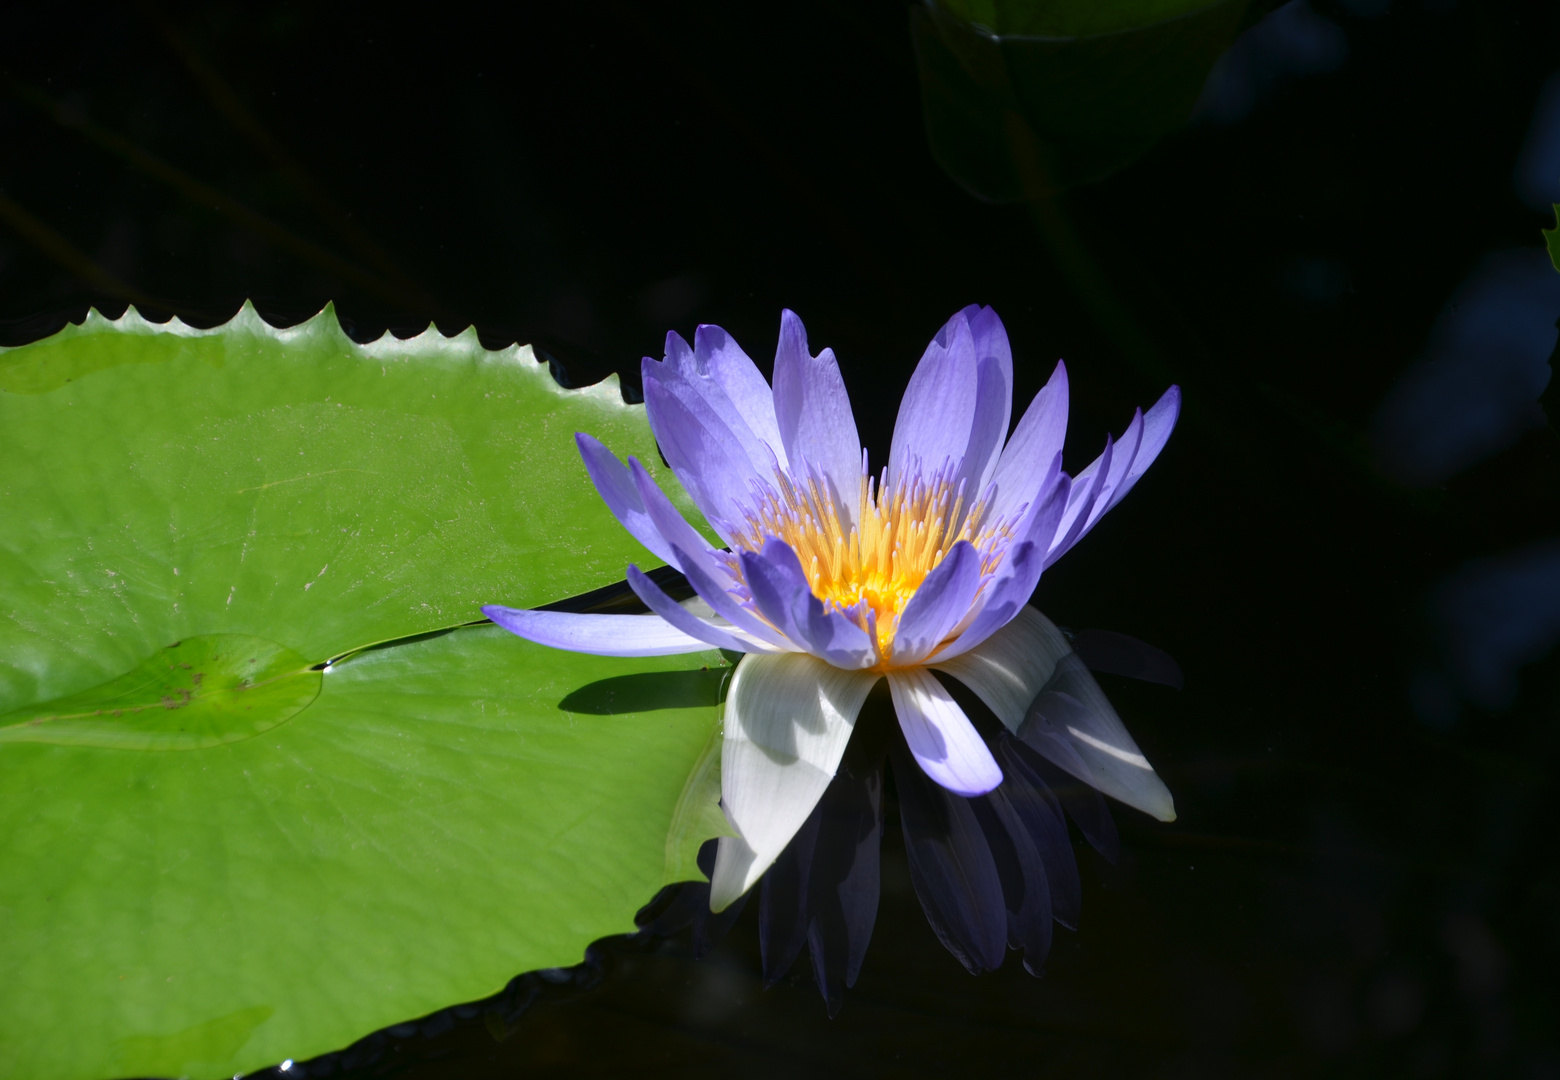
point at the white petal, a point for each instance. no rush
(1011, 666)
(1030, 677)
(944, 742)
(788, 718)
(1072, 723)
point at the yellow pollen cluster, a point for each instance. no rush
(899, 537)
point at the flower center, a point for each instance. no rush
(901, 534)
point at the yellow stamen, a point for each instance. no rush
(900, 536)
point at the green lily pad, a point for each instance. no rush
(211, 689)
(231, 831)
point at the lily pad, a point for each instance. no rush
(232, 831)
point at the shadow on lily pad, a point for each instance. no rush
(646, 692)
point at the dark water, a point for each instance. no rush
(1352, 543)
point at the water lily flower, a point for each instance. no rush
(832, 579)
(993, 872)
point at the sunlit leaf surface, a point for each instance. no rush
(217, 853)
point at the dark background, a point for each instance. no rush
(1363, 880)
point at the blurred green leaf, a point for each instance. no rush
(206, 875)
(1022, 101)
(1552, 239)
(1069, 18)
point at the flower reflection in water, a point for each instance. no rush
(833, 581)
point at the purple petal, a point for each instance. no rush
(683, 619)
(673, 527)
(702, 450)
(1015, 580)
(813, 413)
(686, 374)
(742, 383)
(951, 868)
(937, 413)
(1026, 459)
(1006, 595)
(993, 396)
(615, 484)
(939, 604)
(602, 635)
(729, 607)
(944, 742)
(1081, 497)
(782, 594)
(1158, 423)
(1120, 469)
(705, 569)
(1120, 461)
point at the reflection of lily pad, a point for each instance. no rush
(1022, 100)
(330, 849)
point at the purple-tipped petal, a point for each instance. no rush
(601, 635)
(939, 604)
(944, 742)
(615, 484)
(683, 619)
(813, 412)
(736, 374)
(782, 594)
(1024, 467)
